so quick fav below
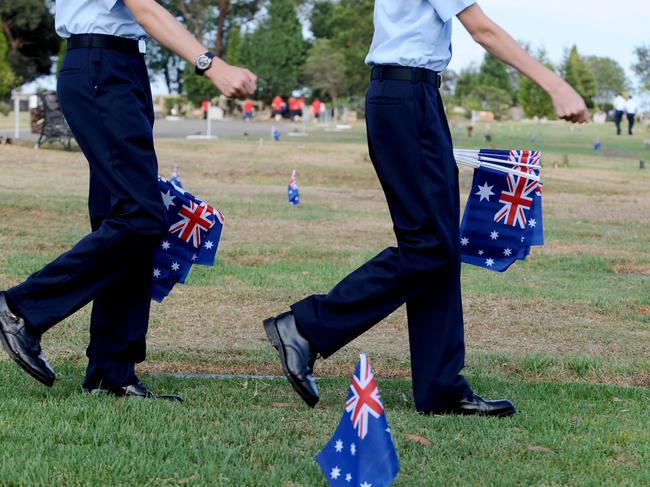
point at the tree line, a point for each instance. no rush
(267, 36)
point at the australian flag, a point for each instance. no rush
(192, 238)
(361, 451)
(293, 191)
(503, 216)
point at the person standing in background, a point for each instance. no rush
(248, 110)
(277, 105)
(630, 110)
(619, 111)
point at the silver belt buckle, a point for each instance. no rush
(142, 46)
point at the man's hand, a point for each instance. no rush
(166, 29)
(568, 104)
(231, 80)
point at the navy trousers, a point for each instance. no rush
(106, 99)
(618, 117)
(411, 150)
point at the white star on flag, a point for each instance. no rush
(485, 192)
(338, 446)
(507, 252)
(365, 484)
(156, 273)
(532, 223)
(168, 199)
(165, 245)
(175, 266)
(335, 473)
(353, 449)
(208, 244)
(195, 256)
(489, 262)
(480, 252)
(348, 477)
(494, 235)
(464, 241)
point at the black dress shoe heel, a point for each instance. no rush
(296, 356)
(23, 347)
(476, 405)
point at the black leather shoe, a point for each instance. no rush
(23, 347)
(137, 390)
(474, 404)
(296, 355)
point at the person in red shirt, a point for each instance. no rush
(248, 110)
(294, 107)
(315, 109)
(276, 107)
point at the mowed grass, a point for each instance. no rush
(254, 432)
(566, 334)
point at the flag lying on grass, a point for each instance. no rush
(503, 216)
(193, 236)
(293, 191)
(361, 451)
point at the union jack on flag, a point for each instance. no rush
(516, 200)
(364, 398)
(194, 219)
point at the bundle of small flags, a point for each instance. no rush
(193, 236)
(293, 191)
(361, 451)
(503, 215)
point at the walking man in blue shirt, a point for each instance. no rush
(411, 150)
(105, 95)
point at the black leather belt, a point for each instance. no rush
(404, 73)
(104, 41)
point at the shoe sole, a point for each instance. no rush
(502, 414)
(274, 338)
(5, 344)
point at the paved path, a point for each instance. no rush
(190, 127)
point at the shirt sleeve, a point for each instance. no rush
(446, 9)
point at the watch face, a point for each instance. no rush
(203, 62)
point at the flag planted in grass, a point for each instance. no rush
(503, 216)
(192, 238)
(361, 451)
(293, 191)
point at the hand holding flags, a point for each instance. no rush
(361, 452)
(193, 236)
(503, 216)
(293, 191)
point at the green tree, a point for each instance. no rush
(276, 51)
(325, 69)
(6, 75)
(609, 76)
(533, 100)
(349, 26)
(494, 73)
(234, 45)
(642, 66)
(28, 28)
(466, 82)
(576, 72)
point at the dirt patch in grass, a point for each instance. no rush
(632, 268)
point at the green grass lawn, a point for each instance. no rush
(248, 432)
(565, 334)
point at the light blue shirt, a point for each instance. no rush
(96, 17)
(414, 33)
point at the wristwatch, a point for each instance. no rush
(203, 62)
